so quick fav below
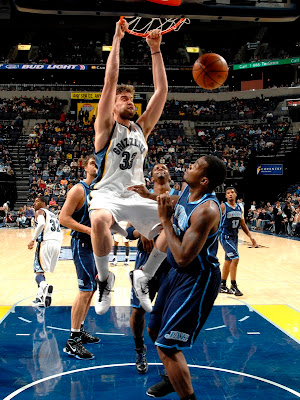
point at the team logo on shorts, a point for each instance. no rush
(175, 335)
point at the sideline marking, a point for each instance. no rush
(216, 327)
(244, 319)
(24, 319)
(16, 392)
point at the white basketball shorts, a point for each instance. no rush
(140, 212)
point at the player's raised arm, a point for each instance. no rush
(104, 121)
(156, 104)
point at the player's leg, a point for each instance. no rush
(127, 251)
(178, 374)
(137, 325)
(44, 261)
(86, 271)
(142, 276)
(233, 272)
(225, 273)
(101, 221)
(115, 251)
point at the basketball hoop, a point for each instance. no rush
(166, 25)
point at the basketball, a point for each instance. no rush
(210, 71)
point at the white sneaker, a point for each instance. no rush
(40, 299)
(47, 295)
(114, 261)
(140, 284)
(126, 262)
(103, 296)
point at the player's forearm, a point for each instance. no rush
(113, 62)
(159, 73)
(70, 223)
(246, 230)
(38, 230)
(174, 244)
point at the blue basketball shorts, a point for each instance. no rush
(85, 265)
(183, 304)
(154, 283)
(230, 246)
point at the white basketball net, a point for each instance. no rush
(137, 24)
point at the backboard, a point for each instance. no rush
(232, 10)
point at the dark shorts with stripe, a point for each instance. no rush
(230, 246)
(183, 304)
(154, 283)
(85, 265)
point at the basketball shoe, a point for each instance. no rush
(103, 296)
(235, 290)
(141, 360)
(114, 261)
(162, 388)
(126, 262)
(75, 348)
(87, 337)
(48, 289)
(140, 284)
(225, 289)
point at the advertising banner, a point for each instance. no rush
(270, 169)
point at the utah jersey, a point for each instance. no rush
(51, 229)
(82, 216)
(183, 211)
(231, 220)
(120, 163)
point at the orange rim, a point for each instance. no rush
(162, 32)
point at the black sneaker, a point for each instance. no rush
(224, 289)
(161, 389)
(87, 337)
(75, 348)
(141, 360)
(235, 290)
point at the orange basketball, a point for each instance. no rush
(210, 71)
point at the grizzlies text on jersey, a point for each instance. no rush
(120, 163)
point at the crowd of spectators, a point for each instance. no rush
(211, 110)
(55, 151)
(30, 107)
(235, 144)
(6, 170)
(282, 217)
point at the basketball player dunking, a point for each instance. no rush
(120, 150)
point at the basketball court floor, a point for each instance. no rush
(249, 347)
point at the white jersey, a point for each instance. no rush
(120, 164)
(51, 229)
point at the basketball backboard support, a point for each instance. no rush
(226, 10)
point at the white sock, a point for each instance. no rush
(43, 284)
(102, 267)
(152, 264)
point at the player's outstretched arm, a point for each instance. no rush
(246, 230)
(144, 192)
(104, 121)
(156, 104)
(75, 199)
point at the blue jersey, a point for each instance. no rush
(207, 258)
(82, 216)
(231, 220)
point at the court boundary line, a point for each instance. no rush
(22, 389)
